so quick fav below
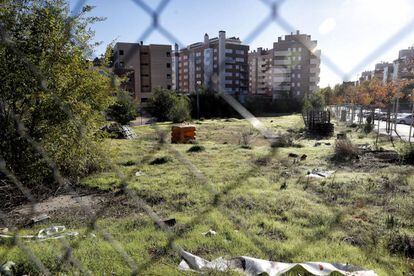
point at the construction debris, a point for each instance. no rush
(38, 219)
(209, 233)
(253, 266)
(183, 134)
(50, 233)
(317, 173)
(7, 268)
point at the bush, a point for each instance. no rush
(282, 141)
(407, 155)
(124, 109)
(196, 148)
(167, 105)
(368, 128)
(160, 160)
(180, 111)
(345, 150)
(401, 244)
(60, 103)
(246, 139)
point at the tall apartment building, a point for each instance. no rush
(383, 71)
(366, 76)
(261, 69)
(146, 67)
(290, 69)
(219, 64)
(296, 66)
(404, 65)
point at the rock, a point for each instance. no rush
(303, 157)
(317, 144)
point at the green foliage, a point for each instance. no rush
(49, 85)
(167, 105)
(180, 111)
(315, 101)
(124, 109)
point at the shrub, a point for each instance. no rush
(283, 141)
(180, 111)
(160, 160)
(407, 154)
(401, 244)
(345, 150)
(246, 138)
(368, 128)
(60, 103)
(196, 148)
(168, 105)
(123, 110)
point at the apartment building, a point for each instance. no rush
(366, 76)
(403, 66)
(145, 67)
(218, 64)
(296, 66)
(290, 69)
(260, 72)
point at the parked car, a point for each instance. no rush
(405, 119)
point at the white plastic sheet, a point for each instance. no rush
(50, 233)
(253, 266)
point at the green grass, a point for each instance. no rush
(343, 219)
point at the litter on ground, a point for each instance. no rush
(253, 266)
(209, 233)
(50, 233)
(316, 173)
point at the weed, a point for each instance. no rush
(401, 244)
(160, 160)
(129, 163)
(263, 161)
(283, 141)
(407, 154)
(283, 186)
(344, 150)
(246, 139)
(196, 148)
(162, 136)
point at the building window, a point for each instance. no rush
(168, 65)
(169, 87)
(168, 76)
(294, 49)
(293, 84)
(229, 51)
(289, 49)
(168, 54)
(299, 58)
(298, 84)
(198, 54)
(239, 59)
(121, 52)
(299, 76)
(144, 100)
(300, 49)
(240, 52)
(121, 64)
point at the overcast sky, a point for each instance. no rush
(348, 31)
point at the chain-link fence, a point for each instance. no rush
(347, 113)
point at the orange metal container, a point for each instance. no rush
(183, 134)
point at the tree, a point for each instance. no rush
(124, 109)
(314, 101)
(167, 105)
(49, 87)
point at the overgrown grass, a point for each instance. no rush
(267, 207)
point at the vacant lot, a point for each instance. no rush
(257, 198)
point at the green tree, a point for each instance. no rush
(314, 101)
(124, 109)
(167, 105)
(50, 87)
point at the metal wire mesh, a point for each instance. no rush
(274, 16)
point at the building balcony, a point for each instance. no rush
(313, 88)
(315, 61)
(315, 70)
(283, 62)
(282, 88)
(314, 79)
(281, 53)
(281, 79)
